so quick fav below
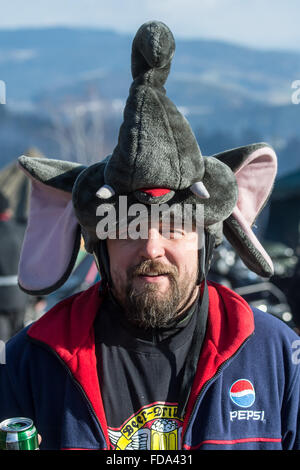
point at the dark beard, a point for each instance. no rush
(147, 308)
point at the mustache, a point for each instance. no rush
(153, 267)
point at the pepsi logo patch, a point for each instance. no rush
(242, 393)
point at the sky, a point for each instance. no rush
(267, 24)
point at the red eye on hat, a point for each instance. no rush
(155, 192)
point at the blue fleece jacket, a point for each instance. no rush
(245, 393)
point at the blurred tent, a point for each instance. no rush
(16, 187)
(284, 212)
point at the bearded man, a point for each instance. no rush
(154, 356)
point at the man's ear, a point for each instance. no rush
(255, 168)
(52, 238)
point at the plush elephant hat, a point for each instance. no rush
(157, 160)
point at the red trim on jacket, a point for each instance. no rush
(234, 441)
(68, 329)
(230, 322)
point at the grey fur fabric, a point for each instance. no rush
(232, 230)
(156, 144)
(252, 258)
(234, 158)
(59, 174)
(156, 149)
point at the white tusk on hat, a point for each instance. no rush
(105, 192)
(200, 190)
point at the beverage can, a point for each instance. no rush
(18, 434)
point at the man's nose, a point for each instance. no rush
(153, 246)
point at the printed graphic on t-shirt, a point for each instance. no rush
(153, 427)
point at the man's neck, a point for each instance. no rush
(188, 302)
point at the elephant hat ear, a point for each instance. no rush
(255, 168)
(52, 238)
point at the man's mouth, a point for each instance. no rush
(150, 277)
(154, 274)
(150, 272)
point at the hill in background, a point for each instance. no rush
(66, 89)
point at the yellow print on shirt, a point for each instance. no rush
(154, 427)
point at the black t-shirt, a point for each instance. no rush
(141, 375)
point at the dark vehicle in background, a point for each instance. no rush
(272, 296)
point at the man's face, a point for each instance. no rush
(154, 279)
